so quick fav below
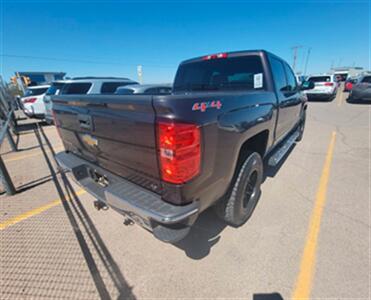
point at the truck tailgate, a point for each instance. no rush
(115, 132)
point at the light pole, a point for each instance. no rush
(295, 48)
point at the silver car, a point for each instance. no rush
(147, 89)
(361, 90)
(54, 89)
(94, 85)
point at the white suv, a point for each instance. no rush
(94, 85)
(325, 87)
(32, 102)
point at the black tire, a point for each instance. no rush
(302, 126)
(239, 202)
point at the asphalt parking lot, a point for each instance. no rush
(308, 237)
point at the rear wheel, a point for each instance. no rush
(238, 204)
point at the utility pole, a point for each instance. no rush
(340, 60)
(306, 62)
(295, 48)
(140, 73)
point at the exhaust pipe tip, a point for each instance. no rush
(100, 205)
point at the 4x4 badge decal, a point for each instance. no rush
(203, 106)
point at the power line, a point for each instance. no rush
(295, 48)
(306, 61)
(81, 61)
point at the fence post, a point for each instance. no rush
(5, 178)
(10, 140)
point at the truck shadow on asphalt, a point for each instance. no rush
(273, 296)
(107, 277)
(205, 233)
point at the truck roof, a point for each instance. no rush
(231, 53)
(98, 78)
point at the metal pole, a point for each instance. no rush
(306, 62)
(5, 179)
(12, 144)
(295, 48)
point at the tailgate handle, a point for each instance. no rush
(85, 121)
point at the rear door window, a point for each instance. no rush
(151, 91)
(76, 88)
(124, 91)
(111, 87)
(320, 79)
(367, 79)
(243, 72)
(291, 79)
(164, 90)
(54, 89)
(35, 92)
(279, 75)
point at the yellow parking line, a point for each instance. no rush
(29, 155)
(34, 212)
(304, 281)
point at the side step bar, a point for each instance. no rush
(283, 149)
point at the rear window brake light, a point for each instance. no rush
(215, 56)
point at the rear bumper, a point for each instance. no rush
(168, 222)
(320, 95)
(360, 95)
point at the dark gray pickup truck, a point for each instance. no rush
(162, 160)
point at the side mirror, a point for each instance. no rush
(307, 85)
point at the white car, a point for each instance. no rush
(325, 87)
(33, 103)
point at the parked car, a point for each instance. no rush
(32, 103)
(94, 85)
(361, 90)
(144, 89)
(348, 85)
(162, 160)
(54, 89)
(325, 87)
(300, 78)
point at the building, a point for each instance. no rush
(38, 78)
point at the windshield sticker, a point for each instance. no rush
(258, 81)
(203, 106)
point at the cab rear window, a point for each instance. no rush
(243, 72)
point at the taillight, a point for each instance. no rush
(29, 100)
(329, 83)
(179, 146)
(348, 86)
(214, 56)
